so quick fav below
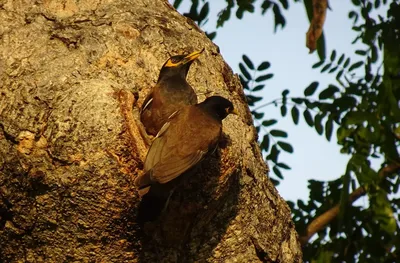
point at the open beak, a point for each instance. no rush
(193, 56)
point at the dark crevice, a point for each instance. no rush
(5, 212)
(261, 254)
(48, 18)
(57, 160)
(8, 136)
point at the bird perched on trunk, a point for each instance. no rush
(182, 142)
(170, 93)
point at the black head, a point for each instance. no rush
(178, 65)
(218, 107)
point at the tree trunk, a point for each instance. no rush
(70, 148)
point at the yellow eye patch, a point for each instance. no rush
(170, 63)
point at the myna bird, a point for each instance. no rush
(182, 142)
(170, 93)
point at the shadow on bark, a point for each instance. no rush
(193, 217)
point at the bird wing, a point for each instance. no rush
(162, 167)
(166, 171)
(167, 157)
(155, 152)
(147, 101)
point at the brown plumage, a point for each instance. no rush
(182, 142)
(170, 93)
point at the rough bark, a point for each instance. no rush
(70, 73)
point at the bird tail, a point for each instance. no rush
(151, 206)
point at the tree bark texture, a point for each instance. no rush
(72, 75)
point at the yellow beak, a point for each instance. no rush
(192, 56)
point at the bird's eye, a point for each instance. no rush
(175, 60)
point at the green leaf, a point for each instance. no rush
(374, 54)
(326, 67)
(353, 14)
(333, 55)
(328, 92)
(264, 77)
(321, 46)
(397, 131)
(285, 92)
(278, 133)
(269, 122)
(177, 3)
(239, 13)
(309, 8)
(383, 212)
(346, 63)
(283, 110)
(251, 100)
(302, 205)
(273, 155)
(340, 73)
(277, 172)
(295, 115)
(244, 71)
(340, 59)
(211, 35)
(257, 115)
(245, 83)
(224, 15)
(284, 3)
(279, 19)
(298, 100)
(258, 87)
(355, 117)
(318, 123)
(324, 256)
(249, 7)
(312, 105)
(342, 133)
(283, 166)
(356, 65)
(328, 129)
(344, 195)
(345, 102)
(248, 62)
(204, 12)
(308, 118)
(318, 64)
(361, 52)
(265, 143)
(333, 69)
(311, 89)
(285, 146)
(263, 66)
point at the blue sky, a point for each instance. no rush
(314, 157)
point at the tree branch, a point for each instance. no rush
(321, 221)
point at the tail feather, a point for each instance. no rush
(154, 201)
(150, 208)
